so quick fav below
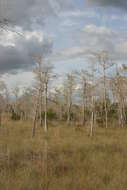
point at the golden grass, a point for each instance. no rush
(64, 159)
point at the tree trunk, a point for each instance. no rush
(92, 124)
(92, 118)
(105, 101)
(83, 118)
(106, 115)
(46, 125)
(69, 114)
(35, 119)
(60, 114)
(41, 122)
(34, 127)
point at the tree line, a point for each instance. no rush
(92, 97)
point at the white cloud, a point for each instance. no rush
(96, 38)
(9, 38)
(68, 53)
(78, 13)
(98, 30)
(69, 23)
(23, 79)
(120, 17)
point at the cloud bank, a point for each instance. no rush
(18, 53)
(25, 13)
(120, 4)
(95, 38)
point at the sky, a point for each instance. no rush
(61, 31)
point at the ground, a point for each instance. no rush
(64, 159)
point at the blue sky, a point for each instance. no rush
(66, 29)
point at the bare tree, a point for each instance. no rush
(105, 63)
(3, 90)
(36, 99)
(68, 90)
(58, 100)
(47, 75)
(92, 95)
(40, 86)
(83, 87)
(92, 85)
(16, 93)
(43, 73)
(118, 84)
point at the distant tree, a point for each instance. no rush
(105, 63)
(16, 93)
(38, 71)
(92, 85)
(3, 90)
(58, 100)
(83, 83)
(68, 91)
(47, 75)
(119, 90)
(43, 74)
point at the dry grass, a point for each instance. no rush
(65, 159)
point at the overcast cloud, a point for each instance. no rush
(120, 4)
(18, 53)
(25, 13)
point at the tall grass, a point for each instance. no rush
(64, 159)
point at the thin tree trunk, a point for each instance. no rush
(106, 115)
(92, 118)
(95, 119)
(92, 124)
(83, 118)
(105, 101)
(60, 114)
(34, 125)
(41, 122)
(35, 119)
(84, 102)
(122, 118)
(69, 114)
(46, 125)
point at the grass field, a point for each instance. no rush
(64, 159)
